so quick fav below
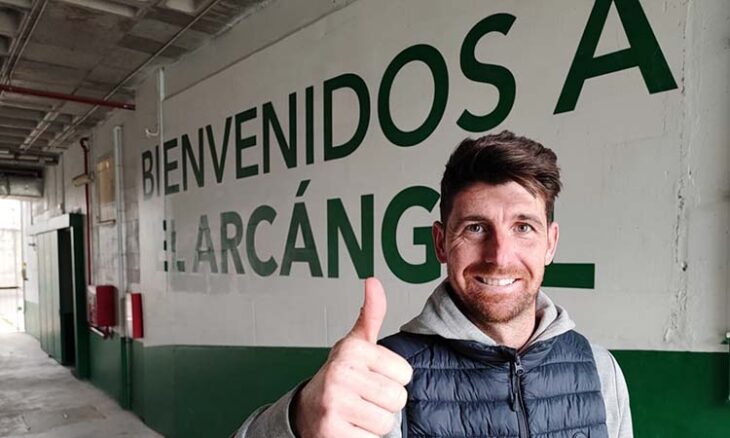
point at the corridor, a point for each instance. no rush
(41, 399)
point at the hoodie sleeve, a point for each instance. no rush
(396, 432)
(615, 394)
(622, 397)
(270, 421)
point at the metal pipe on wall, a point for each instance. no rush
(84, 143)
(120, 210)
(62, 163)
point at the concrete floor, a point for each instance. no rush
(41, 399)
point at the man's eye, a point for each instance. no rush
(524, 228)
(475, 228)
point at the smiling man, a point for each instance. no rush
(490, 355)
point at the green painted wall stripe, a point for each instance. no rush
(677, 394)
(137, 375)
(192, 391)
(105, 365)
(241, 380)
(727, 342)
(158, 389)
(572, 275)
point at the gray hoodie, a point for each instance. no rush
(440, 316)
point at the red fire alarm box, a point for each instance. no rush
(101, 310)
(134, 315)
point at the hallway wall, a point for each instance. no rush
(301, 151)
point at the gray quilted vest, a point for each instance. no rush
(468, 389)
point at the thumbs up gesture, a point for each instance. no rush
(362, 384)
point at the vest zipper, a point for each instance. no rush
(517, 402)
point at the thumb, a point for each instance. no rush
(372, 312)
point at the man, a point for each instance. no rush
(490, 355)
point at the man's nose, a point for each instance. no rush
(497, 248)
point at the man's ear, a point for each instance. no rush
(438, 230)
(553, 233)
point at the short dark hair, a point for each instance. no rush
(497, 159)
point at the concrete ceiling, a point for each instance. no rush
(88, 49)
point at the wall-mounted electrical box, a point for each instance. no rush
(135, 328)
(101, 309)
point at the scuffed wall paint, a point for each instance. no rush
(676, 331)
(701, 298)
(708, 142)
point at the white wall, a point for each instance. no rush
(645, 175)
(30, 256)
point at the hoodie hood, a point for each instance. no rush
(440, 316)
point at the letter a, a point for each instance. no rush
(643, 52)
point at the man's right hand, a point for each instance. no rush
(362, 384)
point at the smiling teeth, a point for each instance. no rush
(497, 281)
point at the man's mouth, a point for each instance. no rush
(493, 281)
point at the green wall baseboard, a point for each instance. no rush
(192, 391)
(106, 365)
(677, 394)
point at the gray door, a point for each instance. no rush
(55, 291)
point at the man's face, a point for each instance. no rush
(495, 244)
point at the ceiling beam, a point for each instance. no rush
(28, 157)
(20, 113)
(68, 131)
(10, 22)
(17, 4)
(14, 132)
(67, 97)
(15, 151)
(106, 6)
(19, 140)
(17, 123)
(30, 164)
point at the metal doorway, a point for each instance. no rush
(61, 313)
